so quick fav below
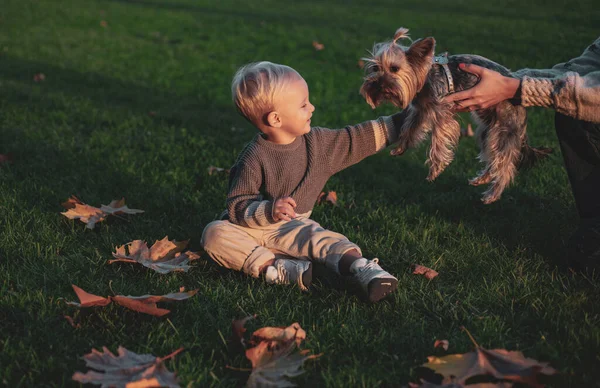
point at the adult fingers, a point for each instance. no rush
(473, 69)
(459, 96)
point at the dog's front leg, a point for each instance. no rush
(444, 139)
(413, 131)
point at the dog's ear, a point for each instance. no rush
(421, 51)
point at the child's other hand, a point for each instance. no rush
(283, 209)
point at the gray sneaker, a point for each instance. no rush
(287, 271)
(374, 280)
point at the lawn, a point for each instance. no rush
(136, 104)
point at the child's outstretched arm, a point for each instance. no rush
(353, 143)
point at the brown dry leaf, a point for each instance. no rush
(330, 197)
(118, 207)
(442, 344)
(467, 132)
(128, 369)
(273, 358)
(88, 300)
(87, 214)
(163, 256)
(90, 215)
(143, 304)
(215, 170)
(147, 303)
(103, 23)
(39, 77)
(499, 363)
(427, 272)
(318, 46)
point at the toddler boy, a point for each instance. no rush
(277, 178)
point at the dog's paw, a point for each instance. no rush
(480, 180)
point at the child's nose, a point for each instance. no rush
(312, 108)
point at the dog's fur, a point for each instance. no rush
(407, 77)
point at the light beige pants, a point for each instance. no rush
(247, 249)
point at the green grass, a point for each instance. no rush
(87, 131)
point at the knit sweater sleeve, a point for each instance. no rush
(571, 88)
(245, 203)
(350, 145)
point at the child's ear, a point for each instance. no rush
(273, 119)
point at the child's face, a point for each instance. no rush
(294, 108)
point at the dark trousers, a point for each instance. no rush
(580, 146)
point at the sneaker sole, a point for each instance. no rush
(380, 288)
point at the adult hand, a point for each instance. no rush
(491, 89)
(283, 209)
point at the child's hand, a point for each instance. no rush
(283, 209)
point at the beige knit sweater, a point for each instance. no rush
(571, 88)
(265, 171)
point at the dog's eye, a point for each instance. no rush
(374, 68)
(394, 69)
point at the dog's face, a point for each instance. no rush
(396, 73)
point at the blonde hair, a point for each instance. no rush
(254, 86)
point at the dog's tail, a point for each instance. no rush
(531, 155)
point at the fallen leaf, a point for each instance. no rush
(88, 300)
(441, 343)
(427, 272)
(318, 46)
(152, 113)
(361, 64)
(272, 354)
(467, 132)
(146, 304)
(163, 256)
(128, 369)
(39, 77)
(330, 197)
(103, 24)
(499, 363)
(90, 215)
(215, 170)
(118, 207)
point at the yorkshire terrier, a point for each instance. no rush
(413, 78)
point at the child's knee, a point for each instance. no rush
(212, 234)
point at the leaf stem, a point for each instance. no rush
(470, 336)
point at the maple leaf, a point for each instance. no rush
(87, 214)
(118, 207)
(330, 197)
(499, 363)
(272, 354)
(318, 46)
(163, 256)
(88, 300)
(147, 303)
(90, 215)
(144, 304)
(128, 369)
(427, 272)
